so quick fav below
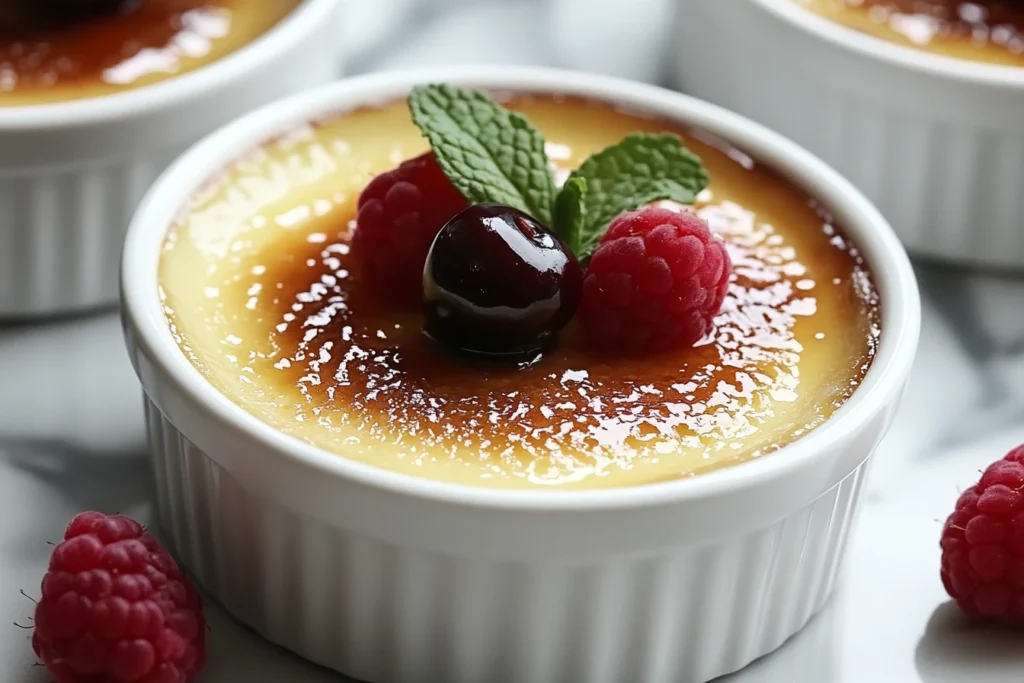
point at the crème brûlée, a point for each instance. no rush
(44, 59)
(984, 30)
(263, 298)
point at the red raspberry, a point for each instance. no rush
(400, 213)
(115, 608)
(983, 544)
(656, 281)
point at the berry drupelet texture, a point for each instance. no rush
(115, 608)
(655, 282)
(399, 214)
(983, 544)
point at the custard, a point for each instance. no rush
(261, 295)
(984, 31)
(137, 46)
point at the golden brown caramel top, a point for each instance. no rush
(144, 43)
(264, 300)
(988, 30)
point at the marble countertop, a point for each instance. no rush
(72, 438)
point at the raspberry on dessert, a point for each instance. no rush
(115, 608)
(983, 544)
(400, 213)
(656, 281)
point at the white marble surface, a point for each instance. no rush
(71, 433)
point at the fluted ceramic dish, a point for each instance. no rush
(72, 173)
(395, 579)
(935, 142)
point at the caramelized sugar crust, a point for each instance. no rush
(147, 43)
(983, 30)
(262, 297)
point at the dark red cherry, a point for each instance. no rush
(498, 284)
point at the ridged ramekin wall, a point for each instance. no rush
(391, 613)
(72, 174)
(937, 144)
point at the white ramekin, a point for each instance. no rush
(936, 143)
(72, 173)
(392, 578)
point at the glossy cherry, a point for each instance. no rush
(499, 285)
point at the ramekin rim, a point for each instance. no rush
(894, 54)
(890, 266)
(303, 20)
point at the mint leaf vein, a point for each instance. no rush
(642, 168)
(489, 153)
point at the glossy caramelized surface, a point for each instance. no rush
(986, 31)
(140, 45)
(263, 299)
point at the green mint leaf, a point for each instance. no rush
(570, 212)
(489, 153)
(640, 169)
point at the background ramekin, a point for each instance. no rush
(72, 173)
(936, 143)
(391, 578)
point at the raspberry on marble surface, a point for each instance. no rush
(983, 544)
(115, 608)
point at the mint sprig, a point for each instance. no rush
(494, 155)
